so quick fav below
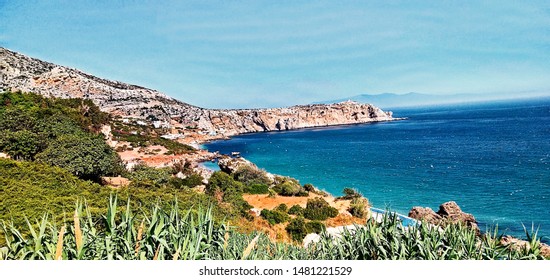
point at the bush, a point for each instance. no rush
(302, 193)
(309, 187)
(297, 229)
(221, 181)
(231, 192)
(191, 181)
(257, 189)
(296, 210)
(358, 207)
(350, 193)
(315, 227)
(274, 217)
(281, 207)
(287, 188)
(147, 177)
(318, 209)
(249, 175)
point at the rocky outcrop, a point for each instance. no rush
(449, 212)
(19, 72)
(230, 165)
(426, 214)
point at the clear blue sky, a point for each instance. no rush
(278, 53)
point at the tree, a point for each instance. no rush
(87, 157)
(21, 145)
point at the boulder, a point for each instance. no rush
(115, 181)
(451, 211)
(518, 244)
(426, 214)
(448, 213)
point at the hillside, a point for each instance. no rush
(19, 72)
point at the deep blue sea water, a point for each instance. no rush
(493, 159)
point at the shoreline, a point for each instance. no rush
(199, 143)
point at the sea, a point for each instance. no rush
(492, 159)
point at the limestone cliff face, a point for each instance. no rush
(231, 122)
(19, 72)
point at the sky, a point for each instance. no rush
(243, 54)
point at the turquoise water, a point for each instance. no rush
(492, 159)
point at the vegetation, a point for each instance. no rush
(319, 209)
(290, 188)
(309, 187)
(194, 235)
(87, 157)
(257, 189)
(225, 189)
(315, 227)
(139, 136)
(149, 177)
(350, 194)
(31, 189)
(251, 176)
(358, 207)
(282, 207)
(274, 216)
(296, 210)
(191, 181)
(60, 132)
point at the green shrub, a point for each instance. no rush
(145, 176)
(275, 216)
(350, 193)
(297, 229)
(249, 175)
(302, 193)
(296, 210)
(318, 209)
(315, 227)
(221, 181)
(257, 189)
(281, 207)
(287, 188)
(309, 187)
(358, 207)
(190, 181)
(231, 191)
(193, 180)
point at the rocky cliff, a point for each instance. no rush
(19, 72)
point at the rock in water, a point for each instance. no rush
(451, 211)
(426, 214)
(448, 213)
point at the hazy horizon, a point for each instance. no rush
(264, 54)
